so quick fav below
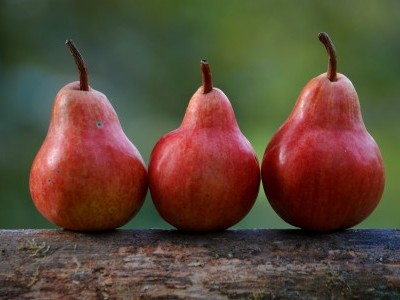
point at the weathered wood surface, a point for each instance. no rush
(242, 264)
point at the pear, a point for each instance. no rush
(87, 175)
(322, 171)
(204, 176)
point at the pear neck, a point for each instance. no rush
(84, 111)
(209, 111)
(326, 104)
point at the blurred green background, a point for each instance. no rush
(144, 55)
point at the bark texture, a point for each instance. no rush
(168, 264)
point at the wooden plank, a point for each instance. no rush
(241, 264)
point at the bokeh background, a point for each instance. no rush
(144, 55)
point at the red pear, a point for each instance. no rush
(322, 170)
(204, 176)
(87, 175)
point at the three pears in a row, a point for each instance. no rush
(321, 171)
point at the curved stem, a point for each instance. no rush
(207, 79)
(330, 48)
(83, 74)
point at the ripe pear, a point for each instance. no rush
(322, 170)
(204, 176)
(87, 175)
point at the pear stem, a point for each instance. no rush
(207, 79)
(83, 73)
(330, 48)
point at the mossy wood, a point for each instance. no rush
(242, 264)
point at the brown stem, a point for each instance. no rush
(83, 74)
(207, 80)
(330, 48)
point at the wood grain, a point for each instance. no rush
(168, 264)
